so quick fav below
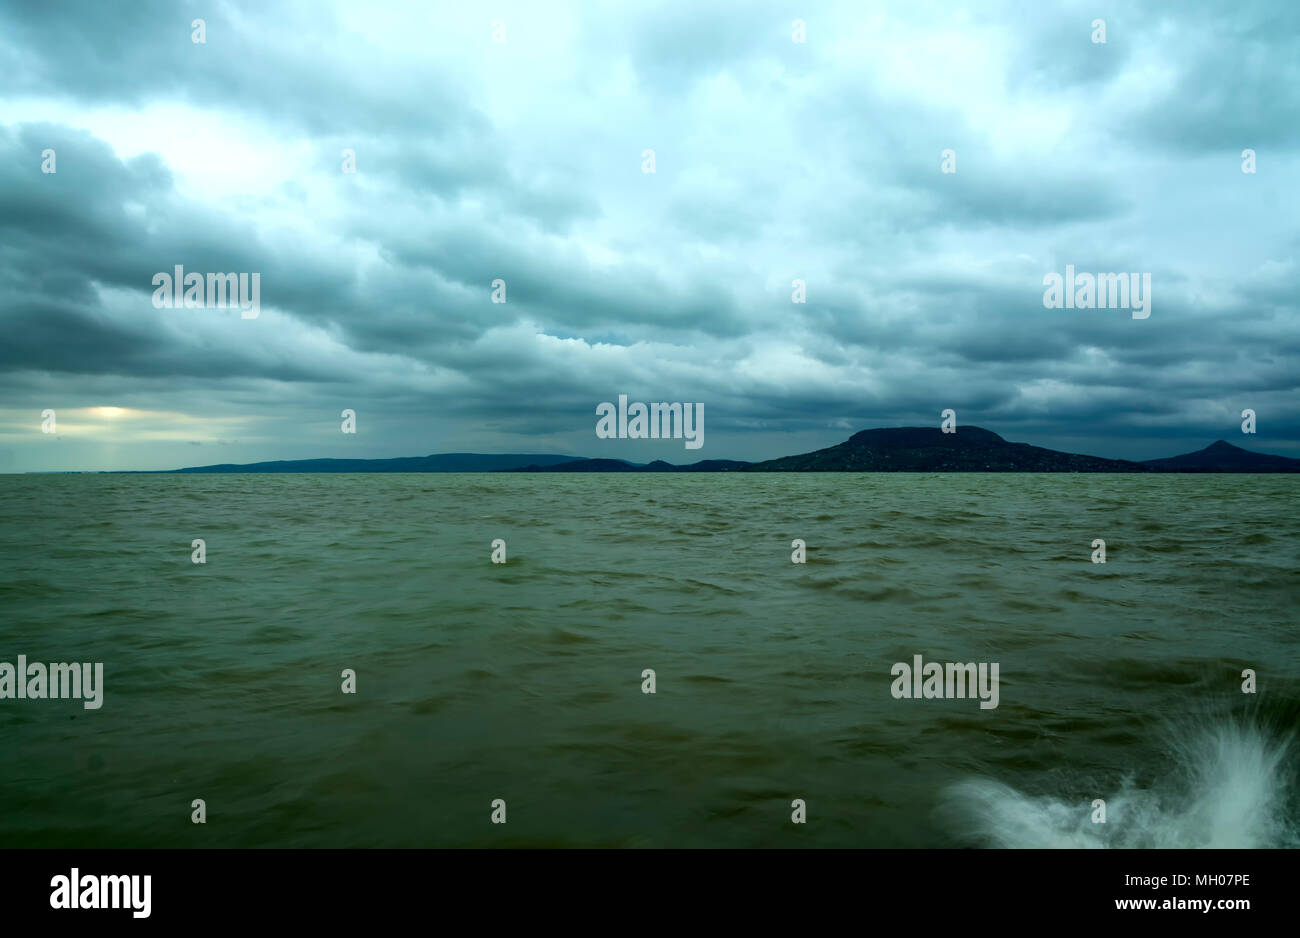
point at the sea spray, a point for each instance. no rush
(1230, 787)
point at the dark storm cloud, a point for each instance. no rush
(99, 221)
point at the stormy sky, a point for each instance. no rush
(522, 160)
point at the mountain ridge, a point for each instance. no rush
(435, 462)
(1222, 456)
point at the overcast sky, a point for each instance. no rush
(522, 160)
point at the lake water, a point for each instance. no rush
(523, 681)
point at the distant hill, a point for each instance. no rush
(580, 465)
(929, 449)
(440, 462)
(1221, 456)
(619, 465)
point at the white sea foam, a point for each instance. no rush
(1228, 788)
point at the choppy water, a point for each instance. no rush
(522, 681)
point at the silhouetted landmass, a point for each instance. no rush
(1221, 456)
(620, 465)
(969, 449)
(929, 449)
(582, 465)
(439, 462)
(898, 449)
(715, 465)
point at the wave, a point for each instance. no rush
(1230, 787)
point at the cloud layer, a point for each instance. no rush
(522, 160)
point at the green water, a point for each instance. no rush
(523, 681)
